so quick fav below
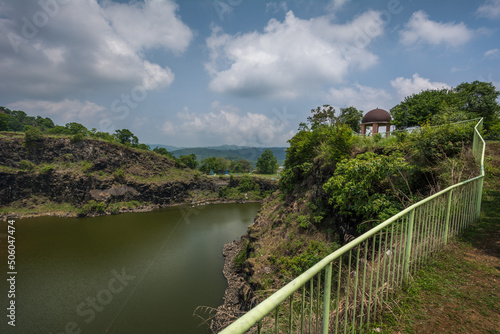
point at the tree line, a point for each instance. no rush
(35, 127)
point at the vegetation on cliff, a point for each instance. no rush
(336, 184)
(55, 174)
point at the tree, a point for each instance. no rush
(189, 160)
(267, 162)
(76, 128)
(418, 109)
(352, 117)
(479, 98)
(322, 116)
(163, 151)
(240, 166)
(125, 136)
(3, 122)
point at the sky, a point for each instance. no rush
(236, 72)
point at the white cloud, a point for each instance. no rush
(494, 53)
(293, 57)
(406, 87)
(61, 111)
(490, 9)
(87, 46)
(361, 97)
(275, 7)
(422, 30)
(149, 25)
(228, 124)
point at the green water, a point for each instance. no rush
(129, 273)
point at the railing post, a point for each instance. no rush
(409, 240)
(326, 300)
(479, 195)
(447, 220)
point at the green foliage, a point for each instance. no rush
(240, 166)
(303, 221)
(26, 165)
(367, 186)
(126, 137)
(92, 207)
(351, 117)
(218, 165)
(143, 147)
(322, 116)
(77, 138)
(324, 145)
(298, 255)
(163, 151)
(47, 169)
(32, 135)
(189, 160)
(466, 101)
(246, 183)
(119, 175)
(267, 163)
(4, 126)
(430, 144)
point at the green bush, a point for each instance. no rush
(303, 222)
(47, 169)
(27, 165)
(79, 137)
(365, 187)
(92, 207)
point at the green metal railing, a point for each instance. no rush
(348, 288)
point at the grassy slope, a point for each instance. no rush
(459, 290)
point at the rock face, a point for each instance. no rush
(97, 170)
(238, 297)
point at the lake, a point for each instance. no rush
(127, 273)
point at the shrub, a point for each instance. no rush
(77, 138)
(303, 222)
(47, 169)
(27, 165)
(119, 175)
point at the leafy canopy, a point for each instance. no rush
(267, 163)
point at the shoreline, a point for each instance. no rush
(238, 297)
(142, 208)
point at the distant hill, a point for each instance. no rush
(232, 152)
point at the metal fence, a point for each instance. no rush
(348, 288)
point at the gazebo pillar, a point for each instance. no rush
(363, 129)
(375, 128)
(387, 129)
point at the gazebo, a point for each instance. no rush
(376, 118)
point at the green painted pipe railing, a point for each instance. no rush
(360, 277)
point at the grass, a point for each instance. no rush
(38, 205)
(459, 290)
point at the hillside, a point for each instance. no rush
(334, 187)
(60, 175)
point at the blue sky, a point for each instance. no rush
(242, 72)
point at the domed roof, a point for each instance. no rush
(376, 116)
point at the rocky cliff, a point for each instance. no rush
(63, 171)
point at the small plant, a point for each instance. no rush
(47, 169)
(303, 222)
(27, 165)
(119, 175)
